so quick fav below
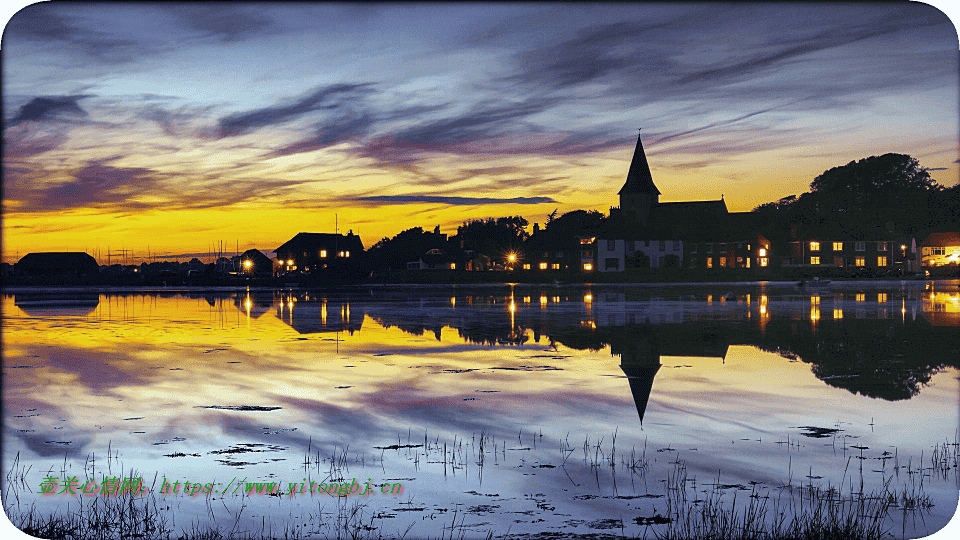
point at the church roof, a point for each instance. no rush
(639, 179)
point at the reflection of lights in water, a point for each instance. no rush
(453, 301)
(513, 306)
(589, 324)
(709, 299)
(748, 299)
(814, 313)
(763, 304)
(556, 299)
(543, 300)
(323, 313)
(587, 298)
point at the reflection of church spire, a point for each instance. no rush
(639, 359)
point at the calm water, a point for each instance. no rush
(520, 409)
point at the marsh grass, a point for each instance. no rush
(694, 510)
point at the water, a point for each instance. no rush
(520, 409)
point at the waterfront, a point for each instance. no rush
(505, 409)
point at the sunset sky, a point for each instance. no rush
(176, 126)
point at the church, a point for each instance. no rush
(644, 232)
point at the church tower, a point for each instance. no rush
(639, 194)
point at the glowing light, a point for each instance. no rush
(588, 298)
(762, 252)
(247, 264)
(453, 301)
(289, 262)
(543, 266)
(512, 257)
(587, 267)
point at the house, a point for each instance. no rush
(315, 252)
(57, 264)
(859, 252)
(253, 262)
(940, 249)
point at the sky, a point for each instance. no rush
(170, 128)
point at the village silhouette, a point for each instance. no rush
(878, 217)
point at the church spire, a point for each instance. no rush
(639, 179)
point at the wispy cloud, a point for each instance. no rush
(333, 97)
(444, 199)
(48, 25)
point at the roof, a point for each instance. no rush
(639, 179)
(943, 239)
(312, 240)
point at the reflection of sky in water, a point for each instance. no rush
(723, 376)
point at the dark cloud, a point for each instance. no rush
(45, 23)
(443, 199)
(333, 97)
(99, 184)
(50, 109)
(330, 133)
(227, 23)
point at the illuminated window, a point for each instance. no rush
(860, 246)
(861, 261)
(587, 267)
(763, 261)
(881, 297)
(939, 251)
(881, 246)
(453, 266)
(709, 262)
(346, 253)
(526, 266)
(543, 266)
(861, 297)
(814, 260)
(723, 261)
(585, 241)
(814, 246)
(748, 262)
(323, 253)
(555, 266)
(881, 261)
(838, 246)
(762, 252)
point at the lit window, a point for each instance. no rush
(762, 252)
(881, 297)
(861, 261)
(939, 251)
(861, 297)
(723, 261)
(763, 261)
(709, 262)
(838, 246)
(585, 241)
(555, 266)
(814, 246)
(323, 253)
(453, 266)
(526, 266)
(543, 266)
(814, 260)
(587, 267)
(346, 253)
(881, 261)
(289, 262)
(748, 262)
(881, 246)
